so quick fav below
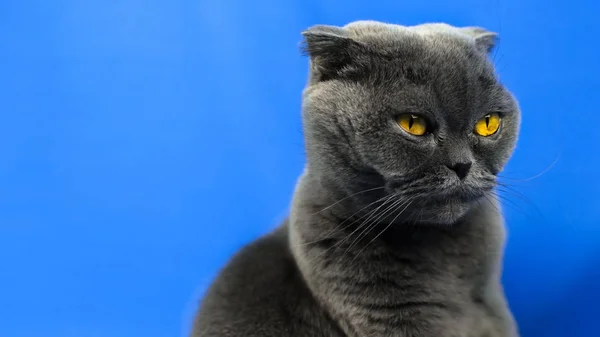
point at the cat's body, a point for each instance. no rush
(392, 233)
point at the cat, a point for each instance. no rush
(394, 228)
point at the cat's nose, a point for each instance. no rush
(461, 169)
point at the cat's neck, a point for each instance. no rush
(327, 196)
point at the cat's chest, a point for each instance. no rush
(429, 267)
(422, 253)
(405, 291)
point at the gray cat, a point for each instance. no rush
(395, 230)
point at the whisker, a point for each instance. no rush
(387, 199)
(373, 224)
(350, 196)
(408, 203)
(492, 203)
(507, 189)
(341, 224)
(366, 221)
(544, 171)
(510, 202)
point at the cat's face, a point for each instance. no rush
(418, 110)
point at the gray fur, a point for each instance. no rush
(383, 239)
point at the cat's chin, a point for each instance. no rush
(443, 214)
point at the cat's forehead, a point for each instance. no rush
(429, 42)
(433, 54)
(378, 32)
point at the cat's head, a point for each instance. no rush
(418, 110)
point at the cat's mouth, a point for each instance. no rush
(445, 208)
(460, 196)
(440, 194)
(439, 201)
(442, 206)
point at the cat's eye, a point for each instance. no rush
(488, 125)
(413, 124)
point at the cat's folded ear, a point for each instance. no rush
(484, 39)
(330, 49)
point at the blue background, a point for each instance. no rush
(143, 142)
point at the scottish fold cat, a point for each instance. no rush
(394, 229)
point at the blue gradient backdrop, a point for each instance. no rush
(143, 142)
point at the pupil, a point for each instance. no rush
(411, 122)
(487, 121)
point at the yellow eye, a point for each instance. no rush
(488, 125)
(415, 125)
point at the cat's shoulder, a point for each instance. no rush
(258, 265)
(260, 292)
